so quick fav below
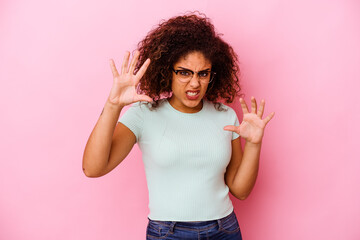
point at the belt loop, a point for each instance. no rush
(172, 225)
(219, 223)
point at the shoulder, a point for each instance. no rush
(137, 110)
(221, 113)
(146, 109)
(140, 106)
(220, 108)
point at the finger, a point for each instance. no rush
(269, 117)
(143, 68)
(261, 109)
(125, 63)
(253, 105)
(244, 106)
(113, 68)
(134, 61)
(231, 128)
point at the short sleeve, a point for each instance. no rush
(236, 123)
(133, 118)
(233, 120)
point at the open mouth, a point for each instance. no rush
(192, 95)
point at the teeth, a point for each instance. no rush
(191, 93)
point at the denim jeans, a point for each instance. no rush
(226, 228)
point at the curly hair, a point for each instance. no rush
(175, 38)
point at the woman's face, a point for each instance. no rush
(187, 97)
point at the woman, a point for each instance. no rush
(189, 140)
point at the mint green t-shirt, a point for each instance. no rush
(185, 157)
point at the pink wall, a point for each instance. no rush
(302, 57)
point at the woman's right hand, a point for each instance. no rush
(123, 91)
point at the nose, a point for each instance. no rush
(195, 81)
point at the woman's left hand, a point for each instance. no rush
(252, 127)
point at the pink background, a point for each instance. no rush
(302, 57)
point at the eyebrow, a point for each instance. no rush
(208, 69)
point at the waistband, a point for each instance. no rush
(194, 224)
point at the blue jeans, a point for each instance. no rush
(226, 228)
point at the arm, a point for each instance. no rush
(109, 143)
(242, 170)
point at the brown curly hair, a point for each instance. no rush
(175, 38)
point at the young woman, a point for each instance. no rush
(190, 141)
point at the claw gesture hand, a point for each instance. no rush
(123, 91)
(252, 127)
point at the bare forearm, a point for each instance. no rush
(98, 147)
(247, 172)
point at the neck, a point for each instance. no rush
(186, 109)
